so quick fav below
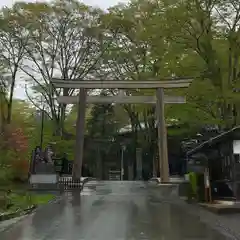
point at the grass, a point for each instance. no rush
(21, 201)
(39, 199)
(15, 199)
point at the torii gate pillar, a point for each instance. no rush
(162, 137)
(80, 130)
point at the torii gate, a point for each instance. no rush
(83, 99)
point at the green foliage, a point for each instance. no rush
(39, 199)
(102, 123)
(20, 201)
(210, 30)
(4, 173)
(61, 145)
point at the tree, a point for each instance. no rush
(210, 29)
(61, 44)
(140, 51)
(11, 57)
(102, 123)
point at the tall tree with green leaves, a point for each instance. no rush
(65, 41)
(12, 51)
(102, 123)
(209, 30)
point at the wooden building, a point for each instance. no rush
(223, 160)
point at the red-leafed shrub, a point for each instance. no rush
(20, 168)
(15, 148)
(17, 140)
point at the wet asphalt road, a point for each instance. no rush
(109, 211)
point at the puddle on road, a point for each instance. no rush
(87, 192)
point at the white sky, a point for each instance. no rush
(100, 3)
(104, 4)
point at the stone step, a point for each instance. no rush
(43, 179)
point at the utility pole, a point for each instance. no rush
(42, 127)
(42, 123)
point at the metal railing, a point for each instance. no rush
(68, 183)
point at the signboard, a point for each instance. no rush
(195, 165)
(206, 179)
(236, 146)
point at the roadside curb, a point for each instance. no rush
(8, 216)
(25, 213)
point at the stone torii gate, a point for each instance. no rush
(82, 99)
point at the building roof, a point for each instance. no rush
(128, 128)
(214, 140)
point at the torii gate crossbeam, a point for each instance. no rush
(121, 99)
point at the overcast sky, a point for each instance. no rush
(20, 93)
(100, 3)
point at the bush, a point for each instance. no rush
(4, 175)
(19, 170)
(14, 153)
